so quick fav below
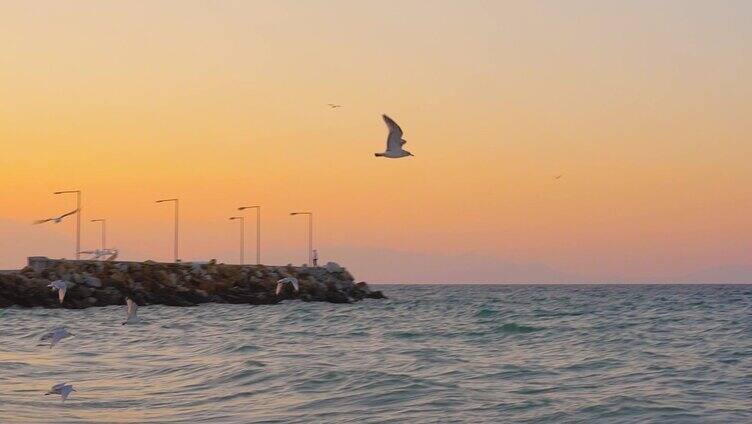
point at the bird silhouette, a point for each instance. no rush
(56, 220)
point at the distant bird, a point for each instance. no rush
(333, 106)
(558, 176)
(394, 141)
(61, 286)
(56, 335)
(56, 220)
(287, 280)
(131, 306)
(62, 389)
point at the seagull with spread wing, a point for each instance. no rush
(56, 220)
(333, 106)
(394, 141)
(61, 287)
(55, 336)
(287, 280)
(62, 389)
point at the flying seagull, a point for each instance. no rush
(131, 317)
(56, 335)
(55, 220)
(287, 280)
(333, 106)
(61, 286)
(62, 389)
(558, 176)
(394, 141)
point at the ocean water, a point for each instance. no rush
(429, 354)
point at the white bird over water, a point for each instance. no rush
(62, 389)
(394, 141)
(287, 280)
(56, 220)
(56, 335)
(131, 306)
(61, 286)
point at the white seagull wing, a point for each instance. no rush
(67, 214)
(65, 391)
(59, 334)
(56, 388)
(394, 139)
(131, 309)
(58, 284)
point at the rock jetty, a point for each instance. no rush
(102, 283)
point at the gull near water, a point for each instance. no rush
(287, 280)
(61, 286)
(56, 335)
(394, 141)
(62, 389)
(131, 307)
(56, 220)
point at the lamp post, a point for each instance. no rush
(242, 237)
(258, 230)
(78, 218)
(177, 203)
(104, 231)
(310, 234)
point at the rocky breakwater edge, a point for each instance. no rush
(102, 283)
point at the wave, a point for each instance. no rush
(485, 355)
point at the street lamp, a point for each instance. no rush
(242, 236)
(78, 218)
(310, 234)
(258, 230)
(104, 231)
(176, 223)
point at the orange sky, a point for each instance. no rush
(643, 107)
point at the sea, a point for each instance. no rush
(428, 354)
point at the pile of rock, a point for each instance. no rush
(96, 283)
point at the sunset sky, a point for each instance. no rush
(643, 106)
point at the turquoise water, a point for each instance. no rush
(429, 354)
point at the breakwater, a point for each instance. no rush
(103, 283)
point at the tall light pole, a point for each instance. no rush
(310, 234)
(258, 230)
(242, 237)
(104, 231)
(78, 218)
(177, 204)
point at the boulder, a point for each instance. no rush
(333, 267)
(91, 281)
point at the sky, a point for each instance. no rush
(641, 106)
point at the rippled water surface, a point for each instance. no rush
(480, 354)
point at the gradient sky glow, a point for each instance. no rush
(644, 107)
